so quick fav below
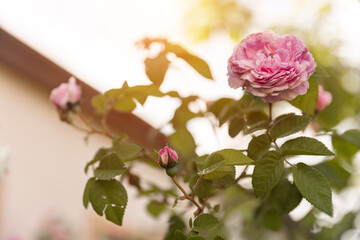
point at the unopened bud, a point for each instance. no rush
(324, 99)
(168, 158)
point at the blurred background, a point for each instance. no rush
(95, 41)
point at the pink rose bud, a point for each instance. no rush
(168, 158)
(271, 67)
(66, 95)
(324, 99)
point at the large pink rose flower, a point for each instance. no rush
(271, 67)
(66, 94)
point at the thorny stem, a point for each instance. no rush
(196, 185)
(186, 195)
(91, 129)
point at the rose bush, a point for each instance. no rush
(272, 67)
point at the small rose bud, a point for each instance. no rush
(324, 99)
(168, 158)
(67, 95)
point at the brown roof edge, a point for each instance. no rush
(48, 75)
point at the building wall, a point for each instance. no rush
(45, 173)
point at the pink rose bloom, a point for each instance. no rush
(66, 94)
(168, 157)
(324, 99)
(271, 67)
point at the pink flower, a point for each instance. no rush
(324, 99)
(66, 95)
(168, 158)
(271, 67)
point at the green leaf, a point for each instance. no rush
(183, 114)
(287, 125)
(125, 105)
(98, 156)
(344, 150)
(228, 112)
(216, 166)
(307, 103)
(267, 173)
(258, 146)
(337, 176)
(223, 175)
(313, 185)
(183, 142)
(178, 235)
(236, 125)
(155, 208)
(110, 166)
(156, 68)
(111, 197)
(200, 161)
(221, 172)
(205, 222)
(195, 62)
(352, 136)
(212, 162)
(196, 238)
(285, 196)
(175, 224)
(235, 157)
(219, 105)
(255, 117)
(203, 187)
(217, 208)
(99, 102)
(86, 196)
(141, 92)
(305, 146)
(126, 150)
(192, 233)
(272, 220)
(248, 103)
(115, 214)
(117, 93)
